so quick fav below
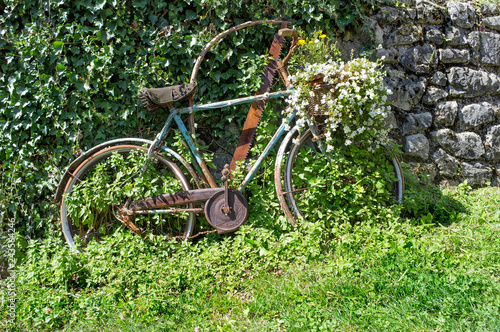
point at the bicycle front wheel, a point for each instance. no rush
(109, 178)
(341, 185)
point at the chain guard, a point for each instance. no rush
(234, 219)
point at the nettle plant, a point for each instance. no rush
(350, 96)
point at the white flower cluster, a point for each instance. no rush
(356, 103)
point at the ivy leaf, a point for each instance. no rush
(343, 22)
(190, 15)
(100, 4)
(193, 41)
(10, 86)
(58, 44)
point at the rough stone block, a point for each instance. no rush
(434, 35)
(492, 143)
(477, 174)
(492, 23)
(433, 95)
(388, 55)
(489, 9)
(417, 146)
(469, 83)
(390, 120)
(445, 113)
(450, 55)
(416, 122)
(411, 13)
(438, 78)
(379, 33)
(388, 15)
(406, 91)
(488, 46)
(420, 59)
(427, 14)
(447, 165)
(425, 169)
(464, 145)
(406, 34)
(461, 14)
(456, 36)
(475, 115)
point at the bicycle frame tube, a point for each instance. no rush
(233, 102)
(175, 115)
(277, 135)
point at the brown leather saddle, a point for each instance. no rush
(155, 98)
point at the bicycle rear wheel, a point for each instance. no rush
(338, 185)
(110, 177)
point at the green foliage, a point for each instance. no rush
(71, 72)
(391, 275)
(107, 183)
(350, 186)
(425, 201)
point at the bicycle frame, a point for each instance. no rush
(175, 116)
(207, 191)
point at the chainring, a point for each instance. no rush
(222, 222)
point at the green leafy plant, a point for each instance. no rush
(94, 202)
(313, 49)
(422, 198)
(262, 278)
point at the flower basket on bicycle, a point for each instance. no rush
(317, 111)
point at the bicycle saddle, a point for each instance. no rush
(155, 98)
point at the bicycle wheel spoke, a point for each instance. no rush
(111, 177)
(317, 186)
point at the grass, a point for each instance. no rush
(410, 274)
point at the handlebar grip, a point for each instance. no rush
(287, 32)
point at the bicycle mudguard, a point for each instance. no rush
(77, 162)
(138, 141)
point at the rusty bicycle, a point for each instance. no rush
(151, 188)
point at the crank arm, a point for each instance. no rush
(168, 211)
(179, 198)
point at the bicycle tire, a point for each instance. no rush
(85, 217)
(304, 155)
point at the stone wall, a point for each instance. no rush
(443, 66)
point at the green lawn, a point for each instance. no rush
(408, 274)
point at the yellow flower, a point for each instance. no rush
(322, 36)
(311, 42)
(301, 42)
(320, 32)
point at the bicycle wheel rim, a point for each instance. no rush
(291, 190)
(92, 162)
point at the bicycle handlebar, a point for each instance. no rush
(289, 33)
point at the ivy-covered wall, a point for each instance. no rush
(70, 73)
